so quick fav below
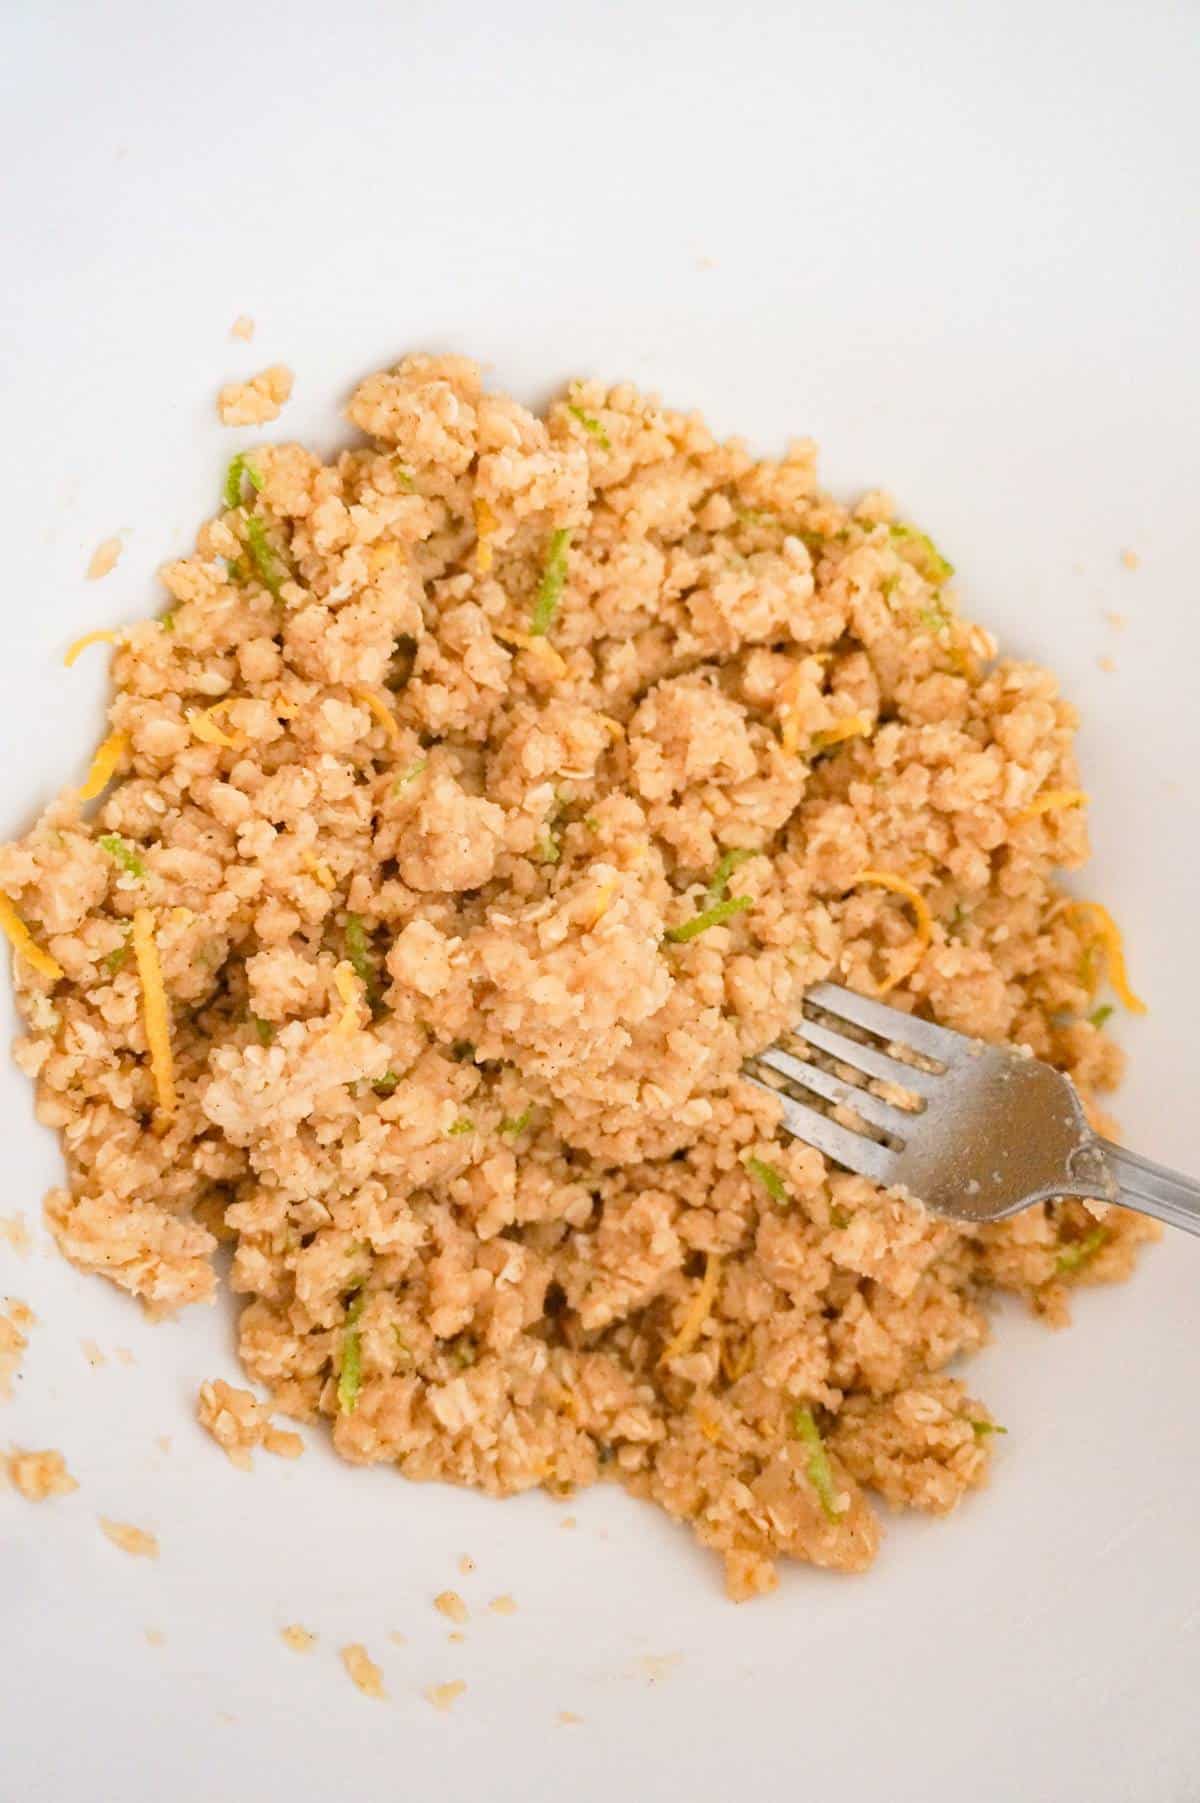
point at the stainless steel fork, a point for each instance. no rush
(974, 1131)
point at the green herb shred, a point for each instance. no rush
(358, 950)
(820, 1474)
(122, 853)
(233, 480)
(350, 1377)
(1072, 1257)
(1099, 1015)
(708, 917)
(264, 1029)
(410, 775)
(590, 425)
(516, 1123)
(461, 1127)
(386, 1085)
(271, 570)
(981, 1429)
(115, 959)
(550, 588)
(769, 1177)
(718, 884)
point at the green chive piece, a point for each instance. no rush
(410, 775)
(769, 1177)
(386, 1085)
(461, 1126)
(123, 854)
(591, 426)
(1099, 1015)
(708, 917)
(550, 588)
(272, 573)
(358, 950)
(115, 959)
(718, 883)
(232, 493)
(350, 1377)
(981, 1429)
(820, 1473)
(1072, 1257)
(264, 1029)
(404, 476)
(516, 1123)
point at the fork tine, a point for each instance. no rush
(823, 1083)
(888, 1023)
(865, 1058)
(864, 1156)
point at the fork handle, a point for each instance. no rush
(1153, 1190)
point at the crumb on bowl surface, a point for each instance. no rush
(258, 401)
(37, 1476)
(486, 796)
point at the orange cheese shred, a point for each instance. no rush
(382, 712)
(884, 879)
(24, 943)
(1106, 934)
(110, 755)
(156, 1012)
(698, 1312)
(106, 636)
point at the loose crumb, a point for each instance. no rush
(298, 1638)
(363, 1670)
(568, 1521)
(124, 1356)
(398, 1639)
(1107, 663)
(135, 1541)
(104, 558)
(657, 1666)
(451, 1604)
(155, 1637)
(163, 1442)
(1118, 621)
(442, 1696)
(14, 1230)
(1130, 559)
(466, 1565)
(238, 1422)
(92, 1354)
(256, 402)
(14, 1338)
(503, 1605)
(37, 1476)
(568, 1718)
(456, 1637)
(243, 328)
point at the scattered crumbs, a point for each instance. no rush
(14, 1230)
(443, 1695)
(257, 401)
(243, 328)
(568, 1521)
(238, 1423)
(283, 1442)
(300, 1640)
(1118, 621)
(466, 1565)
(104, 558)
(1107, 664)
(452, 1605)
(503, 1605)
(363, 1670)
(398, 1639)
(14, 1322)
(706, 262)
(39, 1475)
(135, 1541)
(92, 1354)
(124, 1356)
(163, 1442)
(155, 1637)
(456, 1637)
(1130, 559)
(657, 1666)
(568, 1718)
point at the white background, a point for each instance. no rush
(958, 245)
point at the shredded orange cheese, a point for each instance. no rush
(203, 723)
(23, 942)
(884, 879)
(104, 765)
(380, 709)
(788, 704)
(736, 1364)
(350, 990)
(854, 726)
(538, 645)
(108, 636)
(156, 1013)
(1050, 801)
(485, 524)
(698, 1313)
(1107, 935)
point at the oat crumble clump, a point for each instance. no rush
(39, 1475)
(258, 401)
(238, 1422)
(16, 1318)
(484, 797)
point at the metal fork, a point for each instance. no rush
(982, 1131)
